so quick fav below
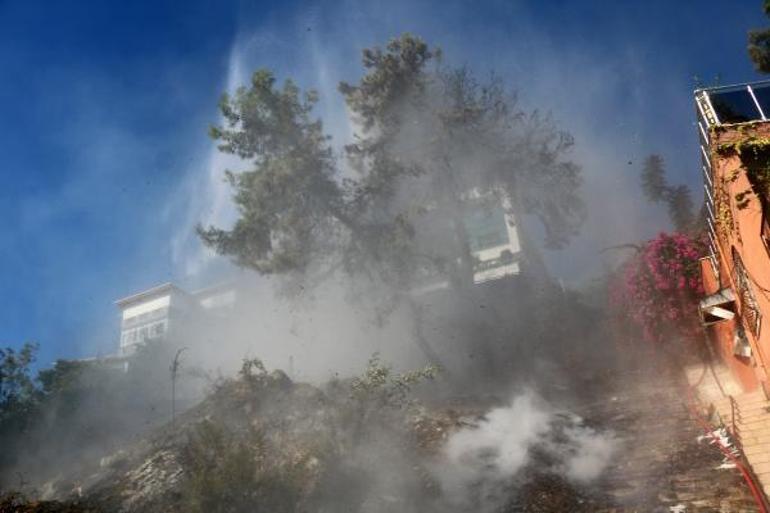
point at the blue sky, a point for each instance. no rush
(104, 107)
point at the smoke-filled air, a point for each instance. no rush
(414, 257)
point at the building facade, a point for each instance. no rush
(167, 311)
(493, 237)
(734, 132)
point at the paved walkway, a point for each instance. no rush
(662, 466)
(745, 415)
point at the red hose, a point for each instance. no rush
(709, 431)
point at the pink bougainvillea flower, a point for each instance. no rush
(659, 288)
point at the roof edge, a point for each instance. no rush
(133, 298)
(727, 87)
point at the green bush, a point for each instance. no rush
(230, 472)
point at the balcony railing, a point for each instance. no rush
(749, 307)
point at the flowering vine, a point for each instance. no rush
(659, 288)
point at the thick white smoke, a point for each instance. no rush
(484, 460)
(499, 444)
(589, 453)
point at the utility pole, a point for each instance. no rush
(174, 371)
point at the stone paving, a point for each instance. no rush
(745, 414)
(664, 464)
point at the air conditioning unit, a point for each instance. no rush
(717, 307)
(741, 346)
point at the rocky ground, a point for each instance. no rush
(299, 432)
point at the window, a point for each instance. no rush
(486, 227)
(128, 337)
(718, 307)
(145, 317)
(749, 308)
(741, 345)
(158, 329)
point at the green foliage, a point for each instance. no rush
(441, 133)
(759, 45)
(286, 457)
(742, 199)
(17, 387)
(654, 184)
(19, 399)
(677, 198)
(63, 377)
(426, 137)
(254, 374)
(252, 369)
(757, 167)
(394, 76)
(289, 199)
(380, 386)
(228, 472)
(754, 152)
(681, 209)
(239, 471)
(76, 408)
(747, 142)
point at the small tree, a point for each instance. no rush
(759, 45)
(229, 472)
(17, 387)
(19, 399)
(677, 198)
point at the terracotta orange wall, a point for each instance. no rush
(745, 237)
(721, 336)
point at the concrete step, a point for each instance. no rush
(751, 450)
(746, 399)
(745, 413)
(751, 424)
(750, 429)
(753, 414)
(741, 403)
(761, 469)
(760, 458)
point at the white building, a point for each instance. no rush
(494, 240)
(166, 310)
(493, 237)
